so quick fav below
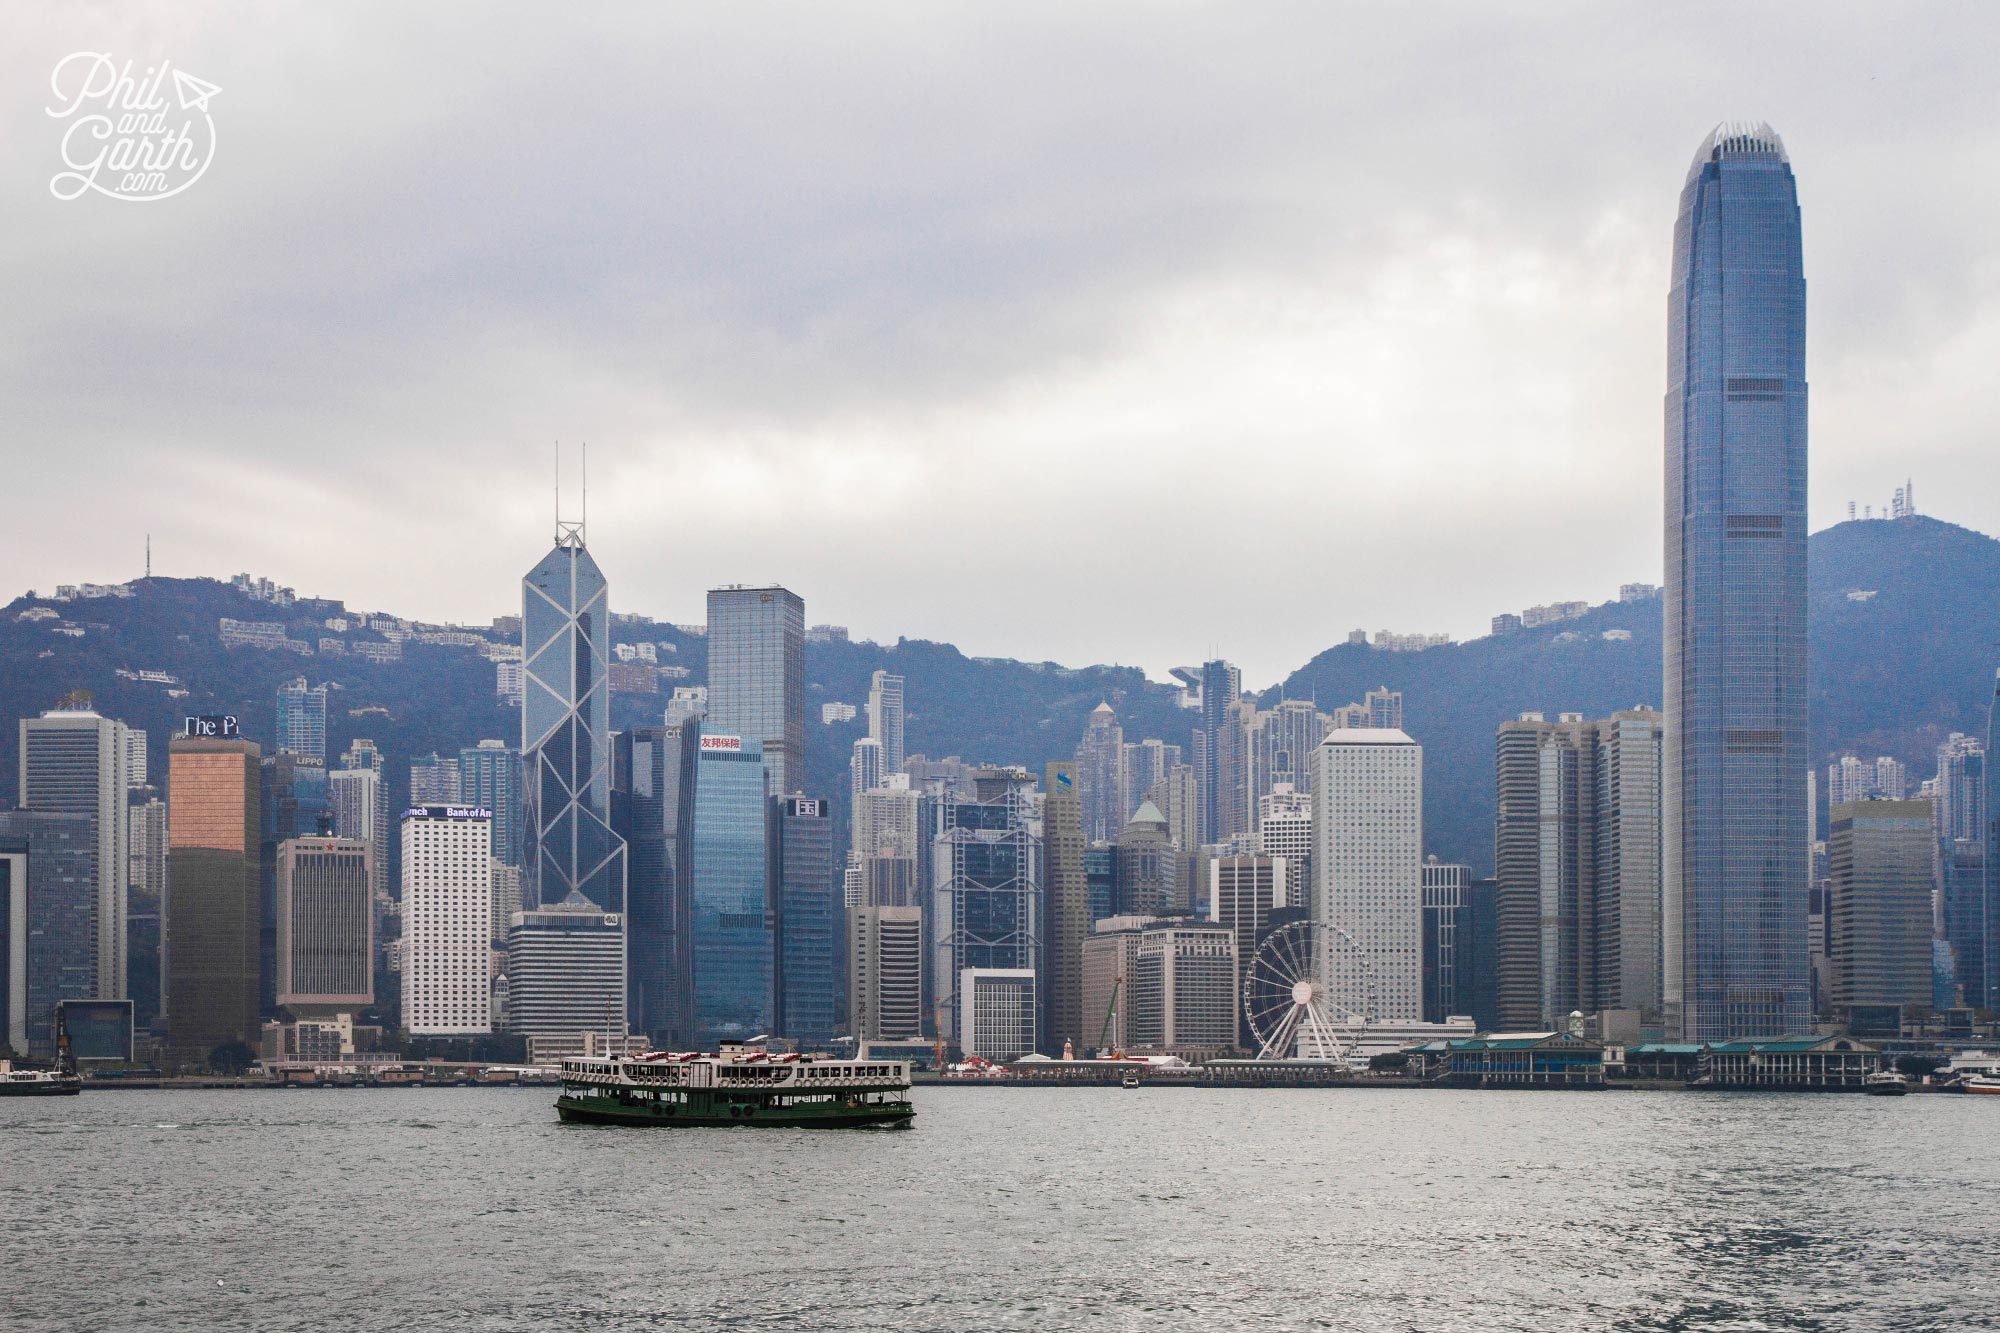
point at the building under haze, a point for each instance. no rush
(1880, 854)
(48, 922)
(1735, 946)
(724, 861)
(757, 676)
(301, 722)
(489, 776)
(885, 718)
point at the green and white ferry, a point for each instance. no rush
(742, 1085)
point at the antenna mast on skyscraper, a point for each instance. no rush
(570, 534)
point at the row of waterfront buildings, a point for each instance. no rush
(1661, 870)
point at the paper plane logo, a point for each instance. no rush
(126, 137)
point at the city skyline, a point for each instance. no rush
(1101, 345)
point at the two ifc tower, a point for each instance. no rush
(1734, 828)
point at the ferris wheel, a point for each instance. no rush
(1310, 979)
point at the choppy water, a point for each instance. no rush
(416, 1210)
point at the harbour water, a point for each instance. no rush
(1006, 1209)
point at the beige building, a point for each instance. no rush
(885, 973)
(326, 926)
(1880, 856)
(1161, 985)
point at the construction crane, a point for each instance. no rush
(1110, 1016)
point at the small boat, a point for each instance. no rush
(1129, 1081)
(1885, 1083)
(1986, 1083)
(37, 1082)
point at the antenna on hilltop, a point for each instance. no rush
(149, 555)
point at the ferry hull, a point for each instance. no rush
(68, 1087)
(715, 1113)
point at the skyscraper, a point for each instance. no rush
(734, 933)
(986, 884)
(804, 892)
(292, 799)
(1735, 637)
(1367, 863)
(1881, 860)
(489, 776)
(1100, 777)
(652, 767)
(885, 718)
(302, 718)
(757, 675)
(566, 970)
(567, 842)
(1067, 903)
(360, 804)
(326, 926)
(447, 921)
(75, 762)
(49, 953)
(1221, 686)
(212, 910)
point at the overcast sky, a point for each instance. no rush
(1093, 333)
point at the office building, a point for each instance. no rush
(447, 898)
(1286, 738)
(48, 930)
(986, 888)
(1577, 838)
(1284, 828)
(210, 935)
(864, 774)
(803, 890)
(1244, 893)
(137, 774)
(1221, 687)
(360, 804)
(1162, 986)
(301, 725)
(689, 703)
(1066, 900)
(1234, 745)
(293, 801)
(734, 936)
(1367, 863)
(434, 780)
(74, 762)
(1445, 890)
(566, 970)
(885, 973)
(885, 718)
(489, 776)
(1177, 795)
(1881, 906)
(506, 899)
(651, 774)
(326, 926)
(567, 842)
(1734, 950)
(757, 676)
(1100, 775)
(1148, 863)
(997, 1018)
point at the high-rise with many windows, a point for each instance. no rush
(447, 921)
(75, 762)
(1735, 640)
(757, 675)
(211, 918)
(302, 718)
(489, 775)
(885, 718)
(724, 861)
(803, 891)
(326, 926)
(1367, 864)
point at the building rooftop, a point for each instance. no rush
(1739, 138)
(1368, 736)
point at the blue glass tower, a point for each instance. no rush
(568, 845)
(803, 889)
(728, 890)
(1735, 641)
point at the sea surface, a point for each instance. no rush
(1005, 1208)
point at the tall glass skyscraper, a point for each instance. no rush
(1735, 641)
(757, 676)
(567, 842)
(728, 888)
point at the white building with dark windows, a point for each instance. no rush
(326, 926)
(997, 1012)
(1367, 863)
(447, 920)
(566, 970)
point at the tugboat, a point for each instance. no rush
(744, 1084)
(37, 1082)
(1885, 1083)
